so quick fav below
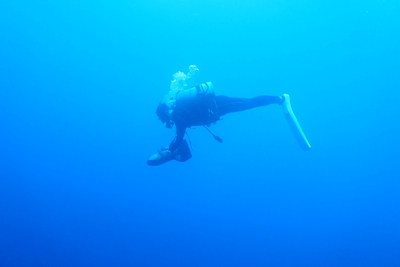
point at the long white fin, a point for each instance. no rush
(294, 124)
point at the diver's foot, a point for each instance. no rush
(287, 108)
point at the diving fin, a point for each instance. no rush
(294, 124)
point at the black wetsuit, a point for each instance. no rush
(206, 111)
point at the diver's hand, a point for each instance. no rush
(162, 156)
(165, 152)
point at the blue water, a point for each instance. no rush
(79, 85)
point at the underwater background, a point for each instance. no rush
(79, 85)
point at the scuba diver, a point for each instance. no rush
(187, 106)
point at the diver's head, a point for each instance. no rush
(164, 115)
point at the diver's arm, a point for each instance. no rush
(180, 133)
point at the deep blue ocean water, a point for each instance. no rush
(79, 85)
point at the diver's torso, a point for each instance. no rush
(196, 113)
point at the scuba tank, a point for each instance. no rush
(199, 91)
(168, 104)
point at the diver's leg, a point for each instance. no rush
(234, 104)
